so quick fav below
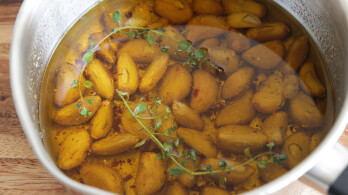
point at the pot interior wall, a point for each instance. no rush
(326, 23)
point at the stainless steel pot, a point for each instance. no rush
(41, 24)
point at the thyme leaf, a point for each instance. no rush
(117, 17)
(88, 57)
(141, 108)
(270, 145)
(164, 49)
(280, 158)
(184, 32)
(74, 84)
(88, 84)
(150, 39)
(222, 163)
(131, 35)
(184, 45)
(199, 53)
(78, 105)
(84, 112)
(89, 101)
(176, 171)
(261, 164)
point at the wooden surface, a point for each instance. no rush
(20, 171)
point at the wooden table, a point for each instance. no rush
(20, 171)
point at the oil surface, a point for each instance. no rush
(76, 42)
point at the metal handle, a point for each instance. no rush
(340, 186)
(332, 170)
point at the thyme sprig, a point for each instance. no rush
(195, 57)
(168, 148)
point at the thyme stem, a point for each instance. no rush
(165, 135)
(152, 136)
(114, 31)
(159, 143)
(79, 82)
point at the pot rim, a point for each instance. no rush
(18, 93)
(23, 113)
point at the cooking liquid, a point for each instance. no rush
(69, 50)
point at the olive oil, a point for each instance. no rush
(185, 57)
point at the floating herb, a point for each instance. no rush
(270, 145)
(185, 45)
(158, 123)
(167, 110)
(117, 17)
(176, 171)
(177, 142)
(131, 35)
(141, 108)
(193, 157)
(88, 84)
(152, 111)
(74, 84)
(84, 112)
(88, 57)
(222, 163)
(90, 101)
(280, 158)
(78, 105)
(261, 164)
(150, 39)
(164, 49)
(184, 32)
(168, 148)
(91, 43)
(199, 53)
